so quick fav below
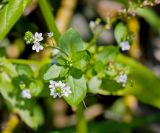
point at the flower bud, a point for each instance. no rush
(29, 38)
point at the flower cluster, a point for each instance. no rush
(125, 45)
(122, 78)
(26, 94)
(29, 37)
(36, 40)
(59, 89)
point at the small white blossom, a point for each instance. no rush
(38, 37)
(50, 34)
(26, 94)
(37, 47)
(125, 45)
(59, 89)
(122, 78)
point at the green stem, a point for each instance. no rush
(81, 121)
(49, 18)
(21, 61)
(58, 49)
(94, 39)
(38, 64)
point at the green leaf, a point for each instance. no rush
(78, 88)
(99, 66)
(111, 86)
(9, 15)
(71, 42)
(109, 53)
(60, 60)
(23, 69)
(43, 70)
(36, 87)
(120, 32)
(19, 81)
(6, 88)
(53, 72)
(76, 73)
(33, 117)
(80, 59)
(8, 67)
(94, 84)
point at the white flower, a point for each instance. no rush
(38, 37)
(50, 34)
(55, 51)
(26, 94)
(125, 45)
(122, 78)
(59, 89)
(37, 46)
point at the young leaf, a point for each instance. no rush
(99, 66)
(80, 59)
(36, 87)
(24, 70)
(78, 88)
(120, 32)
(6, 88)
(94, 84)
(71, 42)
(53, 72)
(8, 67)
(33, 117)
(43, 70)
(9, 15)
(76, 73)
(60, 60)
(108, 54)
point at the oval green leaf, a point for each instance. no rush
(71, 42)
(10, 14)
(78, 88)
